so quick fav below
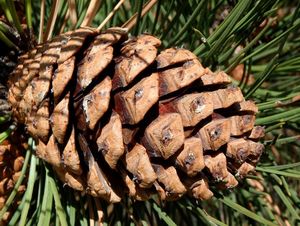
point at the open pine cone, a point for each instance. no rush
(113, 117)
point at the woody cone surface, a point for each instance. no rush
(114, 117)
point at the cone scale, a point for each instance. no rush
(115, 116)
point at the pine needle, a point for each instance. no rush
(28, 9)
(42, 21)
(52, 20)
(91, 12)
(29, 189)
(133, 20)
(4, 119)
(47, 202)
(245, 211)
(4, 135)
(162, 215)
(110, 15)
(60, 212)
(6, 10)
(7, 41)
(72, 11)
(64, 24)
(15, 18)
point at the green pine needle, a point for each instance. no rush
(245, 211)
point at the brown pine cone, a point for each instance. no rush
(115, 116)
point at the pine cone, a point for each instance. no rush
(114, 117)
